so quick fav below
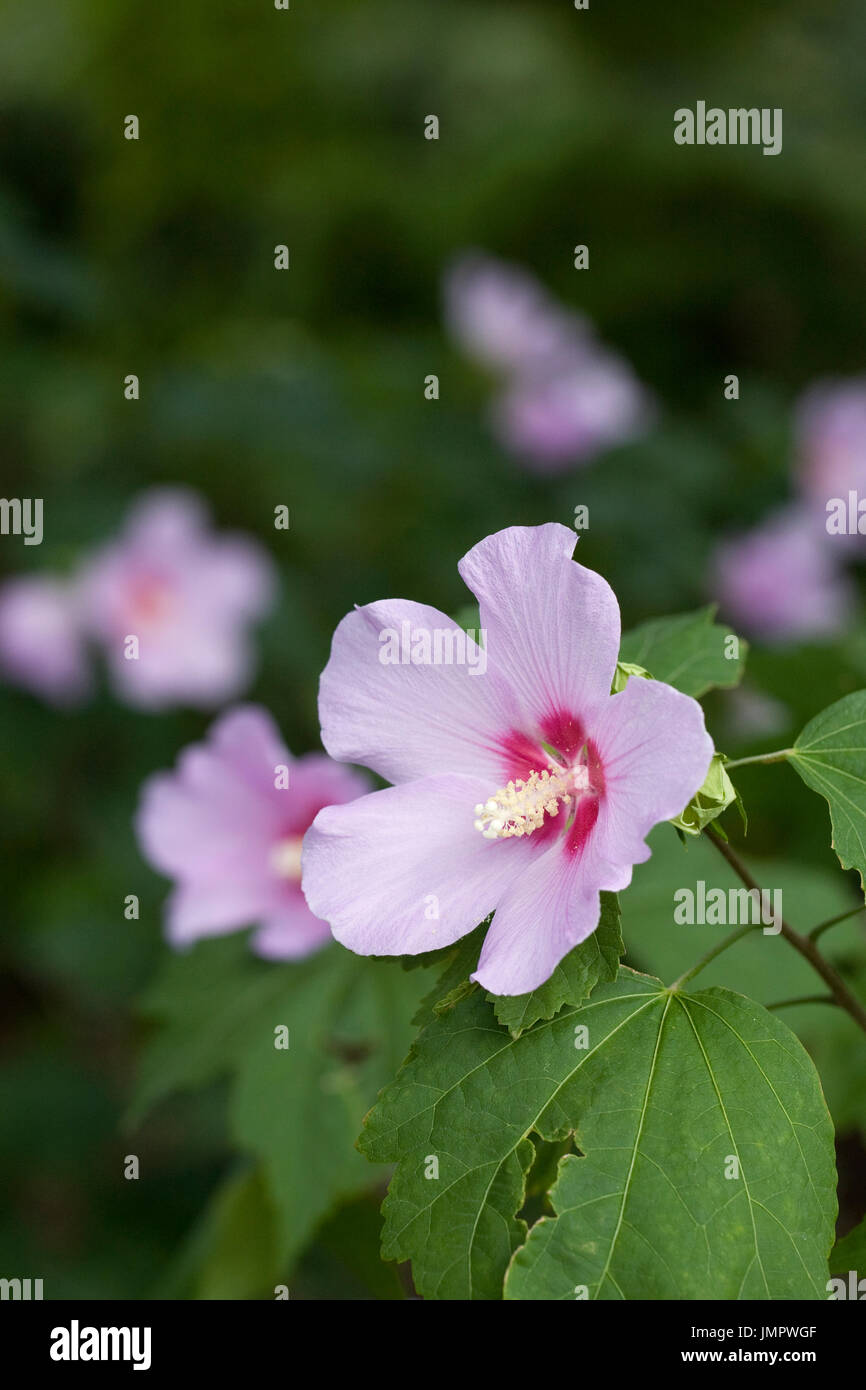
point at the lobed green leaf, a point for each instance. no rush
(661, 1091)
(830, 756)
(688, 651)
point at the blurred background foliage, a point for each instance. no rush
(306, 388)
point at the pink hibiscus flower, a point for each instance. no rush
(782, 581)
(41, 643)
(186, 594)
(228, 826)
(573, 413)
(831, 439)
(525, 790)
(503, 318)
(564, 397)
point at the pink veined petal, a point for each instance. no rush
(655, 752)
(403, 871)
(551, 624)
(411, 720)
(546, 912)
(291, 932)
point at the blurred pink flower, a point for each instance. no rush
(563, 397)
(41, 643)
(781, 580)
(502, 317)
(229, 832)
(831, 438)
(831, 447)
(186, 594)
(572, 414)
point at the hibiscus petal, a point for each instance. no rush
(238, 576)
(182, 832)
(379, 869)
(542, 916)
(408, 720)
(247, 738)
(215, 905)
(166, 520)
(317, 781)
(291, 932)
(655, 753)
(220, 806)
(552, 625)
(203, 665)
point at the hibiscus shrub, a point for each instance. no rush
(551, 1122)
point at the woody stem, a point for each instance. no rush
(804, 944)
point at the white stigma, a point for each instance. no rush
(520, 807)
(285, 857)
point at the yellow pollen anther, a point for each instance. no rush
(520, 807)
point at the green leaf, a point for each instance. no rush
(239, 1259)
(830, 756)
(687, 651)
(205, 1004)
(717, 791)
(710, 800)
(574, 978)
(623, 673)
(347, 1249)
(762, 966)
(298, 1109)
(667, 1087)
(229, 1253)
(850, 1253)
(454, 982)
(444, 955)
(674, 1090)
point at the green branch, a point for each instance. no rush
(804, 944)
(760, 758)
